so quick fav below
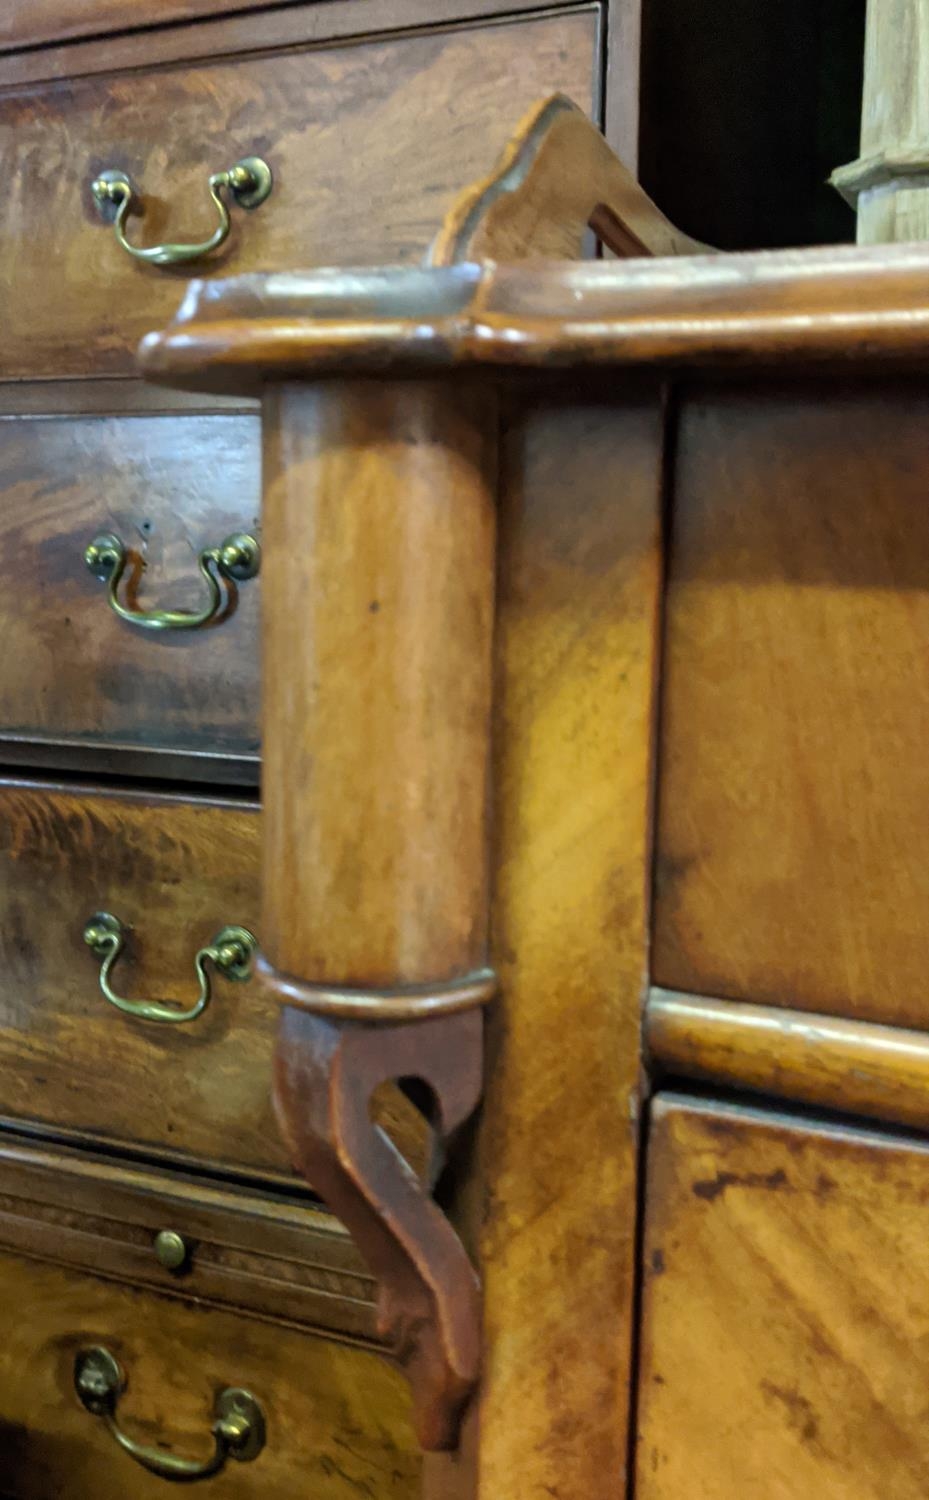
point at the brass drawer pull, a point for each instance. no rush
(230, 952)
(238, 1424)
(236, 560)
(249, 182)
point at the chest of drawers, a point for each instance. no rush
(711, 562)
(131, 754)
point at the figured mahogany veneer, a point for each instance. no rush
(793, 789)
(77, 682)
(369, 141)
(318, 1396)
(175, 870)
(785, 1335)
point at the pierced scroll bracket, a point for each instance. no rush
(326, 1071)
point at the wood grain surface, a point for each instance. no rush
(337, 1418)
(819, 309)
(61, 37)
(830, 1062)
(793, 805)
(368, 142)
(75, 675)
(785, 1343)
(552, 1200)
(376, 645)
(176, 871)
(276, 1256)
(30, 23)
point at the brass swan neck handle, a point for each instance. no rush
(238, 1422)
(231, 952)
(248, 183)
(237, 559)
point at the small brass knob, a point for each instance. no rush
(171, 1250)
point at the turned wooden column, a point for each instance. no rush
(377, 610)
(889, 183)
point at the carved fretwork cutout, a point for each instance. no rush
(556, 179)
(429, 1304)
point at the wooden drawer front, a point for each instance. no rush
(77, 679)
(337, 1417)
(369, 143)
(785, 1347)
(793, 802)
(282, 1259)
(31, 23)
(177, 872)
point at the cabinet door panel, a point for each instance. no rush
(785, 1341)
(793, 800)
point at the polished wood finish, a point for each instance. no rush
(793, 799)
(364, 123)
(318, 1396)
(785, 1324)
(551, 1192)
(586, 471)
(828, 1062)
(556, 179)
(428, 1297)
(263, 1254)
(78, 680)
(175, 870)
(377, 620)
(824, 309)
(378, 607)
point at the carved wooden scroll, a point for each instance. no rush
(429, 1303)
(556, 179)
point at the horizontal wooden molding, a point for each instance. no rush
(843, 306)
(855, 1067)
(262, 1253)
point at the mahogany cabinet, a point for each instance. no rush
(593, 707)
(708, 818)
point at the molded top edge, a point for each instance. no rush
(832, 304)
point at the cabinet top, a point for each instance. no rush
(833, 307)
